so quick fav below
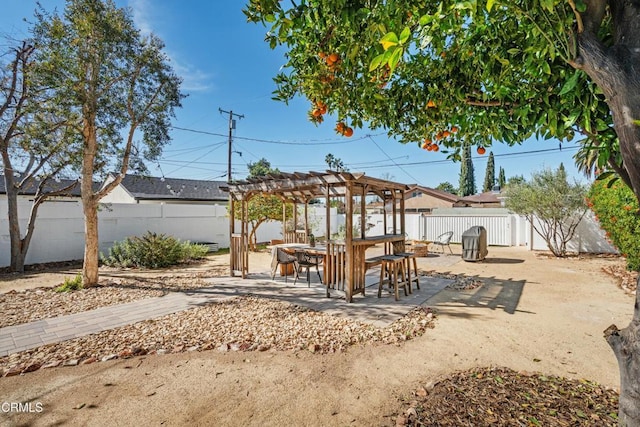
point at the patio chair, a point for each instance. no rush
(283, 258)
(443, 240)
(306, 261)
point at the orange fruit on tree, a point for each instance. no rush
(425, 146)
(446, 134)
(454, 129)
(334, 57)
(316, 112)
(436, 147)
(431, 104)
(348, 132)
(428, 141)
(481, 150)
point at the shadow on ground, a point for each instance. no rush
(494, 294)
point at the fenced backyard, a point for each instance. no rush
(59, 233)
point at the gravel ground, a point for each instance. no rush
(240, 324)
(46, 302)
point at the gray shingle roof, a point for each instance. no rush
(154, 188)
(52, 185)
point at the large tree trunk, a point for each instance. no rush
(615, 70)
(15, 239)
(626, 346)
(90, 265)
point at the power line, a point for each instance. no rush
(281, 142)
(389, 157)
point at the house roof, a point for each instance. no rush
(433, 192)
(30, 189)
(487, 197)
(154, 188)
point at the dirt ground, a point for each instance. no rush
(533, 314)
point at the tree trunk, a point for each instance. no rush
(626, 346)
(90, 265)
(16, 263)
(614, 70)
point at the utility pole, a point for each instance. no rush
(232, 126)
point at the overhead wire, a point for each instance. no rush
(393, 161)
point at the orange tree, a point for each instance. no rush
(497, 71)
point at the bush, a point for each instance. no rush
(153, 250)
(616, 209)
(71, 285)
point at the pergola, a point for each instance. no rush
(345, 259)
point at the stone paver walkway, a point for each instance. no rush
(369, 308)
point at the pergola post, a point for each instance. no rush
(284, 220)
(395, 212)
(402, 219)
(245, 237)
(349, 241)
(232, 230)
(328, 215)
(363, 216)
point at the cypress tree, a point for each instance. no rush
(467, 177)
(490, 174)
(502, 179)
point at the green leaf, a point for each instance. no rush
(376, 62)
(404, 36)
(395, 58)
(570, 84)
(581, 6)
(270, 18)
(389, 40)
(547, 4)
(490, 4)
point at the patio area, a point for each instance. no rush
(366, 307)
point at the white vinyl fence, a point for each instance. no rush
(59, 229)
(59, 232)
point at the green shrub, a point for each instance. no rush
(616, 210)
(193, 251)
(152, 250)
(71, 285)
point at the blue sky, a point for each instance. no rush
(226, 65)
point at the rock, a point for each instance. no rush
(178, 349)
(125, 354)
(313, 348)
(71, 362)
(194, 348)
(263, 347)
(137, 351)
(161, 351)
(89, 361)
(223, 348)
(12, 372)
(32, 367)
(51, 364)
(421, 392)
(109, 357)
(235, 347)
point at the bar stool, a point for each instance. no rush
(394, 265)
(411, 256)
